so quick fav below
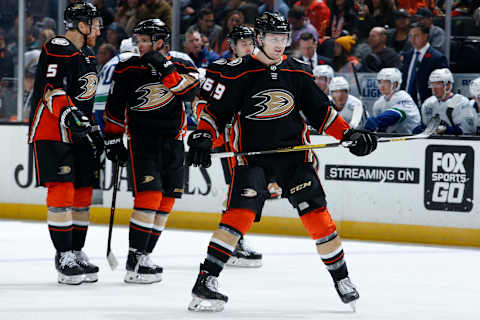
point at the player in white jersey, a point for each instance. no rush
(349, 107)
(323, 75)
(127, 50)
(455, 112)
(475, 102)
(395, 111)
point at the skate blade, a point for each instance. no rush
(204, 305)
(353, 305)
(91, 277)
(158, 277)
(70, 280)
(133, 277)
(112, 261)
(244, 263)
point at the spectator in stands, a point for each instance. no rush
(248, 9)
(151, 9)
(436, 36)
(126, 15)
(343, 17)
(397, 38)
(300, 24)
(233, 19)
(106, 13)
(342, 60)
(200, 55)
(308, 50)
(419, 62)
(105, 52)
(383, 13)
(412, 6)
(381, 56)
(206, 25)
(115, 35)
(45, 35)
(28, 84)
(268, 6)
(6, 59)
(219, 9)
(365, 21)
(318, 13)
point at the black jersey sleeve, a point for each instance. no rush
(115, 107)
(183, 81)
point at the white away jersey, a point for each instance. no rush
(402, 103)
(462, 112)
(476, 112)
(353, 112)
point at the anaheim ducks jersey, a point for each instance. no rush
(476, 112)
(457, 107)
(353, 112)
(402, 103)
(65, 77)
(148, 103)
(270, 105)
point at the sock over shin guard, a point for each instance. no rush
(161, 217)
(59, 217)
(142, 218)
(81, 216)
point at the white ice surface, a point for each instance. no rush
(395, 281)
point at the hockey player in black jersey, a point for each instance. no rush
(146, 102)
(269, 95)
(62, 104)
(241, 41)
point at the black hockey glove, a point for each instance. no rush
(97, 140)
(363, 142)
(200, 143)
(159, 64)
(76, 121)
(115, 150)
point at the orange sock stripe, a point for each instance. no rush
(334, 260)
(80, 228)
(140, 229)
(60, 230)
(220, 250)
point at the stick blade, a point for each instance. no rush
(112, 261)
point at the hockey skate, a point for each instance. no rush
(139, 268)
(69, 271)
(347, 292)
(157, 268)
(205, 294)
(90, 269)
(244, 256)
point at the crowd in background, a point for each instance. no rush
(348, 35)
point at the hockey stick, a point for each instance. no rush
(429, 130)
(112, 261)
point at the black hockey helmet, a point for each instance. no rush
(271, 23)
(79, 11)
(155, 28)
(240, 32)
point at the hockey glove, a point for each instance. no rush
(160, 65)
(200, 143)
(115, 150)
(97, 140)
(363, 142)
(76, 121)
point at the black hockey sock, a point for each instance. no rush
(60, 228)
(219, 252)
(140, 230)
(80, 218)
(158, 227)
(336, 264)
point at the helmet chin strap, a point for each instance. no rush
(85, 36)
(261, 49)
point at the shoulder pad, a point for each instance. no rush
(124, 56)
(59, 41)
(297, 64)
(183, 62)
(232, 69)
(354, 100)
(459, 99)
(300, 61)
(430, 100)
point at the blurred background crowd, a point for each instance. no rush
(349, 35)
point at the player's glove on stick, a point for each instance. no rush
(159, 64)
(115, 150)
(76, 121)
(363, 142)
(200, 143)
(97, 140)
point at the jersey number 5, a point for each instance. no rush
(219, 89)
(51, 70)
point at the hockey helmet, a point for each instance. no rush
(240, 32)
(441, 75)
(323, 70)
(79, 11)
(155, 28)
(391, 74)
(270, 22)
(475, 88)
(127, 45)
(339, 83)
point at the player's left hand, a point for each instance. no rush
(362, 142)
(200, 143)
(158, 63)
(97, 140)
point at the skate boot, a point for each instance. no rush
(139, 270)
(156, 267)
(244, 256)
(205, 294)
(347, 291)
(91, 270)
(69, 271)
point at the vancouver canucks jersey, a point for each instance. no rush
(402, 104)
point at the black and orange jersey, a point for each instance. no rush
(141, 101)
(65, 77)
(270, 105)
